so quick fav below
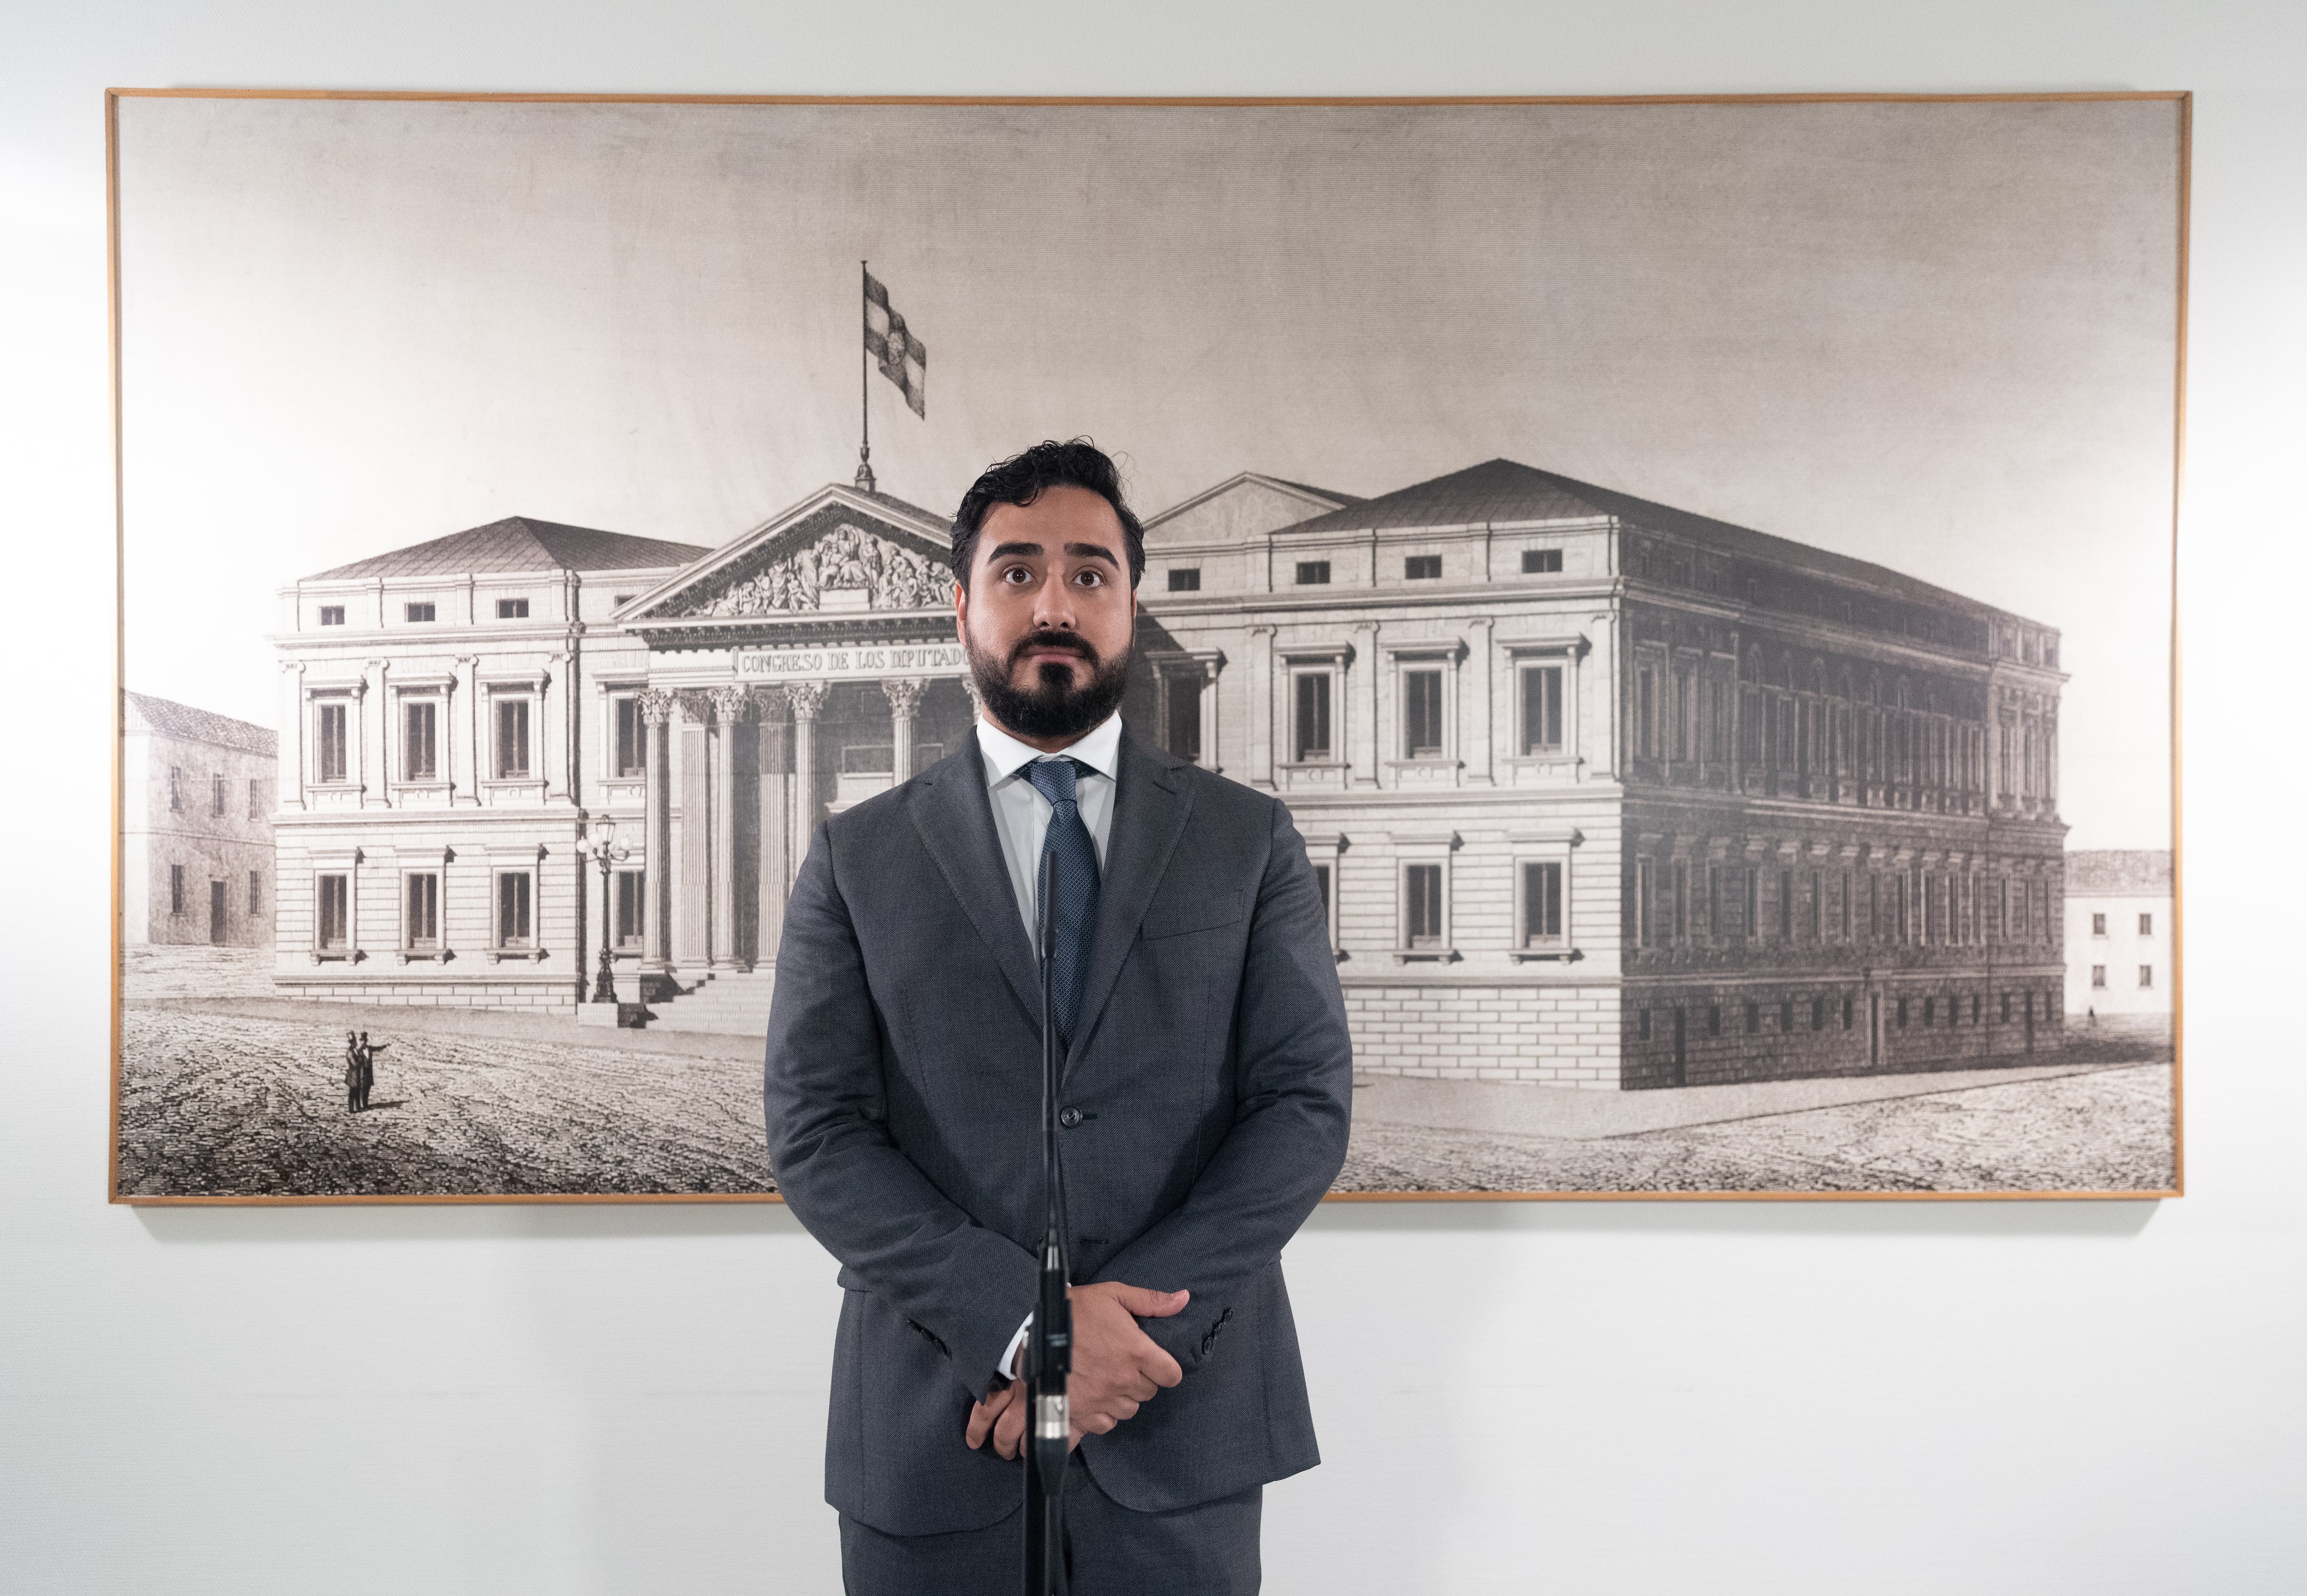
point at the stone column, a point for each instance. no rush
(1477, 747)
(1264, 688)
(1211, 666)
(730, 704)
(807, 698)
(904, 695)
(463, 733)
(656, 840)
(295, 762)
(1360, 724)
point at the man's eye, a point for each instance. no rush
(1094, 578)
(1018, 573)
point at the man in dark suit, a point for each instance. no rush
(1205, 1094)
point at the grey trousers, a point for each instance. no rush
(1208, 1550)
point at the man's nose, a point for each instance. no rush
(1053, 607)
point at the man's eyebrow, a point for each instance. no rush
(1001, 549)
(1092, 551)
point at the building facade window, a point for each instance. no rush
(1310, 741)
(631, 746)
(419, 739)
(330, 745)
(1786, 905)
(333, 615)
(512, 740)
(176, 889)
(1645, 930)
(176, 790)
(1186, 579)
(516, 928)
(2098, 976)
(421, 918)
(1422, 906)
(1753, 1016)
(1313, 573)
(255, 892)
(1541, 562)
(1681, 900)
(2099, 925)
(1182, 711)
(2146, 923)
(1818, 1014)
(216, 795)
(2146, 977)
(332, 921)
(507, 610)
(1714, 1020)
(1541, 904)
(255, 799)
(1750, 912)
(1422, 732)
(632, 906)
(418, 614)
(1541, 709)
(1848, 1008)
(1421, 568)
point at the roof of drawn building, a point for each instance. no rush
(2119, 872)
(171, 718)
(520, 543)
(1508, 491)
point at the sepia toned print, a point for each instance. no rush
(1664, 853)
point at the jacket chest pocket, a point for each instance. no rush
(1208, 912)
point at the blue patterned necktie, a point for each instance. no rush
(1076, 907)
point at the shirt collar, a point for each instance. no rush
(1005, 756)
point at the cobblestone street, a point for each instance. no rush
(227, 1104)
(229, 1090)
(2103, 1131)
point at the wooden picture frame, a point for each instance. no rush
(1703, 830)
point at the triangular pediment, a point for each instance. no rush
(1246, 506)
(840, 550)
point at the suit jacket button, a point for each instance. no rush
(1069, 1118)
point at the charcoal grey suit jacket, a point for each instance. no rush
(1209, 1083)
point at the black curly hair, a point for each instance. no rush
(1021, 478)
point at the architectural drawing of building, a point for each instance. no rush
(196, 826)
(2120, 933)
(1601, 793)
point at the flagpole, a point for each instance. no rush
(864, 395)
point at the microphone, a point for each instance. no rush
(1049, 1344)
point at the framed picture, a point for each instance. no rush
(1698, 573)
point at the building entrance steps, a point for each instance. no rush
(727, 1002)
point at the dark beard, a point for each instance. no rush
(1054, 708)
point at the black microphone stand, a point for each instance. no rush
(1050, 1343)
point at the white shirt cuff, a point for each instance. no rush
(1009, 1352)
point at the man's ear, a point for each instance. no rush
(961, 611)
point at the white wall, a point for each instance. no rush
(1727, 1398)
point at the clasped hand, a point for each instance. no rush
(1117, 1367)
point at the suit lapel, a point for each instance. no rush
(1149, 815)
(954, 818)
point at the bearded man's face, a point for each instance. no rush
(1049, 616)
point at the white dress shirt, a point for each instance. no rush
(1021, 814)
(1021, 819)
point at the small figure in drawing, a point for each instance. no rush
(368, 1052)
(352, 1074)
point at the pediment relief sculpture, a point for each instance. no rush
(847, 568)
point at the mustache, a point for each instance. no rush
(1068, 642)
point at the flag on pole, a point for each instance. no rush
(905, 359)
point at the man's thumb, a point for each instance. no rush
(1144, 1303)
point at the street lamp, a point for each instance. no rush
(603, 849)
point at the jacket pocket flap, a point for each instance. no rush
(1202, 914)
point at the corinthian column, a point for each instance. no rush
(904, 695)
(807, 698)
(730, 704)
(656, 842)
